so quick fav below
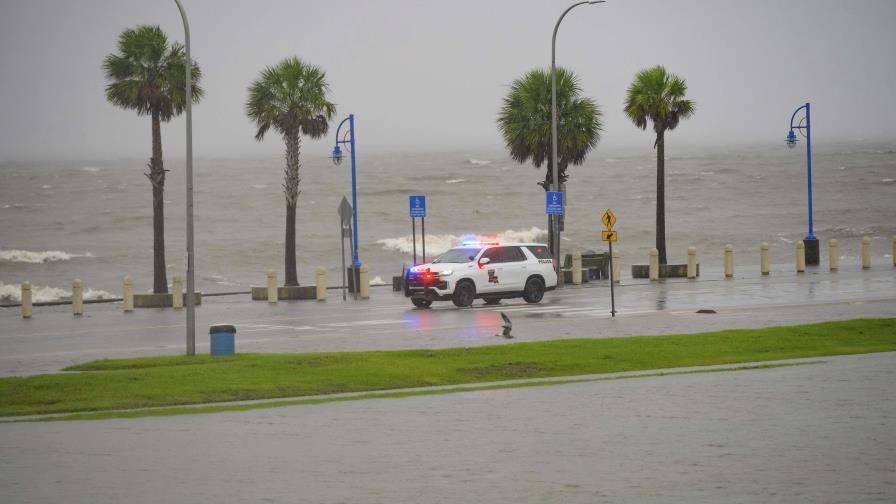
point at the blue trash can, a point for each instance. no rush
(223, 338)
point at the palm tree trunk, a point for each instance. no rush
(661, 196)
(291, 190)
(156, 176)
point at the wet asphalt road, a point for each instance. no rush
(53, 338)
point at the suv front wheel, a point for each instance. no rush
(534, 290)
(464, 294)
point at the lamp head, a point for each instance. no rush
(791, 140)
(337, 155)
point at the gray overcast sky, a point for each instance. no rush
(422, 74)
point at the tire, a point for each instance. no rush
(534, 290)
(491, 300)
(421, 302)
(464, 294)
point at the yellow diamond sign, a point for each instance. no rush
(608, 219)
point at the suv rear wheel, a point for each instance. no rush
(464, 293)
(534, 290)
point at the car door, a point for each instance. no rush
(514, 268)
(489, 274)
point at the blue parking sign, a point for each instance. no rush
(418, 206)
(554, 203)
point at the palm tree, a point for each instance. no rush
(291, 97)
(147, 75)
(525, 123)
(658, 96)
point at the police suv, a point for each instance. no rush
(488, 270)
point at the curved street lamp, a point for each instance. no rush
(556, 186)
(337, 159)
(191, 285)
(810, 242)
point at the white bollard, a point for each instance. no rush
(763, 258)
(177, 292)
(26, 299)
(729, 260)
(692, 262)
(866, 252)
(800, 256)
(77, 298)
(833, 255)
(654, 268)
(127, 293)
(576, 268)
(364, 280)
(272, 286)
(320, 281)
(617, 271)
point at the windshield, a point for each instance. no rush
(458, 255)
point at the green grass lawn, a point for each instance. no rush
(165, 381)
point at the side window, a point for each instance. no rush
(493, 254)
(540, 252)
(513, 254)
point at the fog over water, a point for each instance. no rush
(425, 75)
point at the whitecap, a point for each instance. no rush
(92, 169)
(887, 181)
(455, 181)
(377, 281)
(27, 256)
(259, 186)
(46, 186)
(43, 294)
(478, 162)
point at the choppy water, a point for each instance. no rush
(93, 220)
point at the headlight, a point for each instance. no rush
(446, 273)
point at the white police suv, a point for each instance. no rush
(488, 270)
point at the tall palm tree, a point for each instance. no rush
(658, 96)
(147, 75)
(525, 123)
(291, 97)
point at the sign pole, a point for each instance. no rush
(612, 296)
(414, 238)
(423, 236)
(342, 237)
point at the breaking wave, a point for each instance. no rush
(39, 294)
(478, 162)
(455, 180)
(438, 243)
(27, 256)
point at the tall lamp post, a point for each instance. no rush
(554, 165)
(191, 286)
(349, 139)
(810, 242)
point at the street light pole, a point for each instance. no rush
(556, 185)
(337, 158)
(191, 286)
(810, 242)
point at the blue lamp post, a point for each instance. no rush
(810, 242)
(349, 139)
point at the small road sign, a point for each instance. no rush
(608, 235)
(608, 219)
(554, 203)
(345, 212)
(418, 206)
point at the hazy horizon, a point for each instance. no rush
(426, 76)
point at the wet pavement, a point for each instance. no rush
(53, 338)
(810, 433)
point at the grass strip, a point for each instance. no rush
(178, 380)
(220, 408)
